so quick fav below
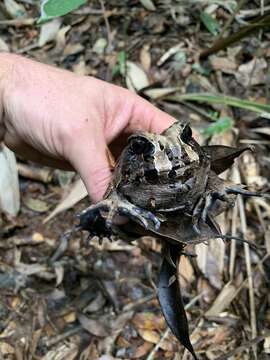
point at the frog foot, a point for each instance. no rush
(109, 208)
(206, 204)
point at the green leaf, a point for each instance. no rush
(122, 59)
(53, 8)
(222, 125)
(120, 66)
(210, 23)
(262, 109)
(115, 70)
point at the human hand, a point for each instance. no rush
(60, 119)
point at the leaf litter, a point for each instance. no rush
(87, 269)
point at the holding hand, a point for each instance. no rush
(60, 119)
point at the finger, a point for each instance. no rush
(89, 158)
(146, 116)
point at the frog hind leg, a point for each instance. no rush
(106, 210)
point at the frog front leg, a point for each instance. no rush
(106, 210)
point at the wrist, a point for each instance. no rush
(6, 65)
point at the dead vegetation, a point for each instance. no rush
(74, 298)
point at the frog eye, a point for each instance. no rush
(141, 145)
(186, 135)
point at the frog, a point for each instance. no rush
(160, 177)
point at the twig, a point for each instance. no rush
(231, 19)
(255, 25)
(244, 346)
(18, 22)
(153, 352)
(61, 337)
(35, 173)
(249, 272)
(233, 243)
(107, 24)
(138, 303)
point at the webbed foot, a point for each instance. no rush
(106, 210)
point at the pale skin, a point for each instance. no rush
(54, 117)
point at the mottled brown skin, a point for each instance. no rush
(160, 177)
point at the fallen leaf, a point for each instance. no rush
(36, 205)
(252, 73)
(6, 349)
(148, 4)
(266, 345)
(151, 336)
(70, 317)
(94, 327)
(149, 321)
(145, 57)
(142, 350)
(14, 9)
(136, 79)
(100, 46)
(74, 194)
(223, 300)
(186, 272)
(160, 92)
(9, 182)
(49, 31)
(223, 64)
(169, 53)
(67, 351)
(3, 46)
(73, 49)
(208, 264)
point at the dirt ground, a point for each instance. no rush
(72, 298)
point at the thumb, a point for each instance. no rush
(91, 162)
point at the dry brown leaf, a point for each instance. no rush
(223, 64)
(6, 349)
(223, 300)
(70, 317)
(73, 49)
(90, 352)
(148, 321)
(93, 326)
(74, 194)
(208, 263)
(252, 73)
(186, 272)
(151, 336)
(145, 57)
(142, 350)
(67, 351)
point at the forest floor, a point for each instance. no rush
(77, 299)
